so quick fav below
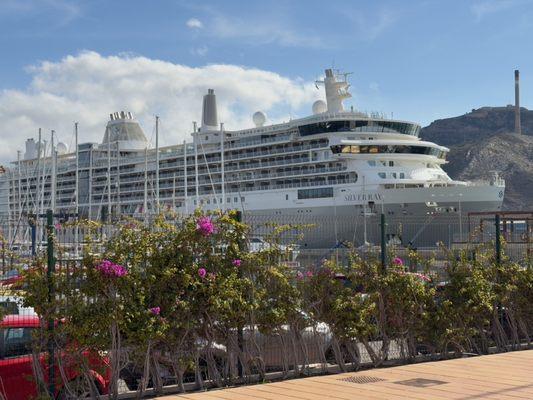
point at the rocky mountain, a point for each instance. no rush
(481, 142)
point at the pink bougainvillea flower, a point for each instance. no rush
(205, 226)
(236, 262)
(111, 270)
(309, 274)
(155, 310)
(397, 261)
(423, 277)
(57, 226)
(299, 275)
(202, 272)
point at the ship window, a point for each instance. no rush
(372, 163)
(235, 199)
(389, 149)
(315, 193)
(208, 201)
(359, 126)
(402, 175)
(393, 175)
(391, 163)
(382, 175)
(229, 199)
(242, 199)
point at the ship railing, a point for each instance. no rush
(137, 193)
(240, 178)
(244, 143)
(212, 157)
(227, 168)
(479, 183)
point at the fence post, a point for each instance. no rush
(240, 330)
(498, 239)
(383, 245)
(49, 275)
(33, 225)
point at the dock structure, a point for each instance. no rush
(498, 376)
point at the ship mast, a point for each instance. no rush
(53, 174)
(336, 90)
(185, 176)
(196, 183)
(157, 164)
(109, 178)
(223, 204)
(38, 182)
(77, 195)
(145, 203)
(19, 193)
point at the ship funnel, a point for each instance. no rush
(209, 111)
(31, 150)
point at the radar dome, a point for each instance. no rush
(319, 107)
(259, 118)
(62, 148)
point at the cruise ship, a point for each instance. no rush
(335, 165)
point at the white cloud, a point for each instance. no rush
(370, 27)
(200, 51)
(484, 8)
(194, 23)
(374, 86)
(88, 86)
(263, 31)
(64, 11)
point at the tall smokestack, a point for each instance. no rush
(209, 111)
(517, 127)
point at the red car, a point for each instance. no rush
(16, 372)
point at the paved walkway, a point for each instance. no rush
(500, 376)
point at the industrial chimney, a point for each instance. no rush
(209, 112)
(517, 127)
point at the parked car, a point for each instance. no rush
(256, 244)
(10, 277)
(14, 305)
(16, 371)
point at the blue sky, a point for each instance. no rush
(419, 59)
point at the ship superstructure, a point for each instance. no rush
(336, 162)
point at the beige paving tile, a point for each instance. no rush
(506, 376)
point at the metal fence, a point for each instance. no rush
(30, 348)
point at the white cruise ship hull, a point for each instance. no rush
(419, 217)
